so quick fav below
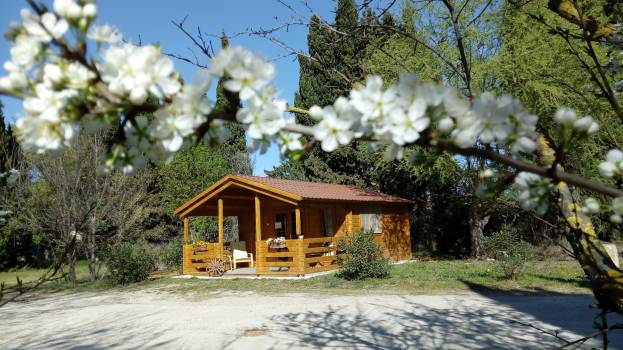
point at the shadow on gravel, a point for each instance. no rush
(488, 324)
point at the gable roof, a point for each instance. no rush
(291, 190)
(325, 191)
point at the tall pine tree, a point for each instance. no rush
(234, 148)
(332, 68)
(9, 148)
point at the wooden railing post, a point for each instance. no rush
(300, 255)
(260, 265)
(185, 257)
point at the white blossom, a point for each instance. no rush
(78, 76)
(485, 174)
(613, 164)
(372, 101)
(445, 125)
(591, 206)
(73, 75)
(16, 79)
(42, 135)
(617, 209)
(47, 103)
(104, 34)
(44, 28)
(532, 191)
(73, 11)
(334, 126)
(565, 116)
(135, 72)
(174, 124)
(290, 141)
(89, 10)
(248, 74)
(25, 50)
(406, 127)
(586, 125)
(263, 115)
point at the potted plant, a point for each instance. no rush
(276, 243)
(200, 246)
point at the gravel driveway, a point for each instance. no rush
(113, 319)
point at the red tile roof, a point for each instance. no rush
(320, 191)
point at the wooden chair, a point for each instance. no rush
(241, 256)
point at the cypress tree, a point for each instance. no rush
(9, 148)
(334, 65)
(235, 147)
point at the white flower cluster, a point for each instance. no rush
(47, 81)
(104, 34)
(137, 72)
(398, 115)
(251, 77)
(617, 210)
(30, 40)
(533, 191)
(75, 12)
(568, 118)
(502, 121)
(613, 164)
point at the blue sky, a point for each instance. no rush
(151, 20)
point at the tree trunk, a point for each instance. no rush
(477, 223)
(71, 266)
(91, 249)
(92, 260)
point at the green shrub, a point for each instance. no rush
(170, 256)
(509, 251)
(129, 262)
(361, 257)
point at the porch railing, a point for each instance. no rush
(195, 259)
(297, 257)
(294, 257)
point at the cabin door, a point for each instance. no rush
(285, 224)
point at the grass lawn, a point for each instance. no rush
(430, 276)
(434, 276)
(29, 274)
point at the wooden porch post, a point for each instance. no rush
(259, 254)
(258, 219)
(186, 229)
(297, 215)
(220, 220)
(220, 228)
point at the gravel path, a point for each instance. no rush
(113, 319)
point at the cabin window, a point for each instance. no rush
(327, 214)
(371, 220)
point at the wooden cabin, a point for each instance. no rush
(310, 217)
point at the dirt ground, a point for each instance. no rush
(148, 319)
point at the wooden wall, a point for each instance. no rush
(395, 236)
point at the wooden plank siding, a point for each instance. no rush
(395, 230)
